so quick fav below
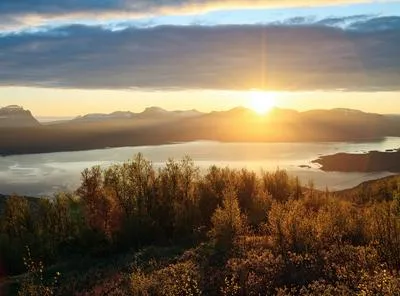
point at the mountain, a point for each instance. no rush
(155, 126)
(152, 113)
(16, 116)
(285, 125)
(103, 117)
(188, 113)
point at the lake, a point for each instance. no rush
(44, 174)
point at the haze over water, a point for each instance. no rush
(44, 174)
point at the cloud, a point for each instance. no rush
(377, 24)
(25, 13)
(278, 57)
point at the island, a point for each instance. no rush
(373, 161)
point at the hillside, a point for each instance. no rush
(225, 233)
(375, 190)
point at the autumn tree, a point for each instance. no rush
(17, 217)
(227, 221)
(102, 211)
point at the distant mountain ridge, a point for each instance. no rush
(16, 116)
(15, 112)
(148, 113)
(155, 126)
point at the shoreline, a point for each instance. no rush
(17, 151)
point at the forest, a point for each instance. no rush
(134, 229)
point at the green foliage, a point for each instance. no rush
(45, 225)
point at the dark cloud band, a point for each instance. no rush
(24, 13)
(224, 57)
(65, 7)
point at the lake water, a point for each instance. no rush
(44, 174)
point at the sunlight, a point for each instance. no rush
(262, 102)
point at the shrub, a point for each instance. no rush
(33, 283)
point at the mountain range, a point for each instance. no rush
(21, 133)
(148, 113)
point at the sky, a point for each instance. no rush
(68, 58)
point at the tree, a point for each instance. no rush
(227, 221)
(102, 212)
(211, 191)
(17, 217)
(277, 184)
(177, 197)
(133, 185)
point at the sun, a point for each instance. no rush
(262, 102)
